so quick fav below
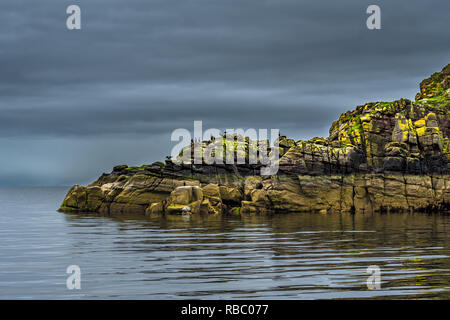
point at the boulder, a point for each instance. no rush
(182, 197)
(380, 156)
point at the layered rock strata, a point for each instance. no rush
(380, 157)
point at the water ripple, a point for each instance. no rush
(290, 256)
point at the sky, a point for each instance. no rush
(74, 103)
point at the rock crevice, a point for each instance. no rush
(380, 157)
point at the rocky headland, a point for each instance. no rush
(380, 157)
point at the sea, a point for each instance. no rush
(45, 254)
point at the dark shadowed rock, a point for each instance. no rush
(381, 156)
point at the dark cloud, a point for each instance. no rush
(74, 103)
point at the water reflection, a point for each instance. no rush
(282, 256)
(290, 256)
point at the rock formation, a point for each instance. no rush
(380, 157)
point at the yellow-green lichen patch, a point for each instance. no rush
(135, 169)
(420, 123)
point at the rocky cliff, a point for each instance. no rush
(380, 157)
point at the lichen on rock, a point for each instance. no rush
(379, 157)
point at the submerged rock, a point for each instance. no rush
(382, 156)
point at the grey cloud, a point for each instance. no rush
(139, 69)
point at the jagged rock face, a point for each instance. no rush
(382, 156)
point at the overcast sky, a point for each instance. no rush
(75, 103)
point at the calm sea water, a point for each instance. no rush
(292, 256)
